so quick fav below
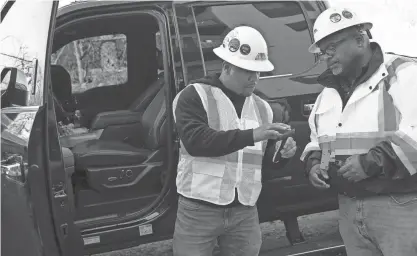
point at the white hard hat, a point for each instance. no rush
(333, 20)
(246, 48)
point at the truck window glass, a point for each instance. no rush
(94, 62)
(281, 23)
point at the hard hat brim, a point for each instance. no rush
(314, 48)
(251, 65)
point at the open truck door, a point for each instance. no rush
(36, 217)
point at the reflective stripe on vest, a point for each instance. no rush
(214, 179)
(262, 114)
(251, 157)
(388, 125)
(404, 146)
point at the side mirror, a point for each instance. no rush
(14, 88)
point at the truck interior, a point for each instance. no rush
(111, 70)
(113, 75)
(115, 68)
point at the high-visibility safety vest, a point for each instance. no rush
(214, 179)
(384, 108)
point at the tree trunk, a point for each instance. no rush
(79, 64)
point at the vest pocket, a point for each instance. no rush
(324, 107)
(209, 168)
(207, 180)
(323, 121)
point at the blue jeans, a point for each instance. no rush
(199, 227)
(381, 225)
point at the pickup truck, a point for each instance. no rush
(88, 143)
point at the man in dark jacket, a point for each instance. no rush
(224, 130)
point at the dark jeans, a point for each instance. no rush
(200, 226)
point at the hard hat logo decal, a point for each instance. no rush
(234, 45)
(335, 17)
(347, 14)
(245, 49)
(261, 56)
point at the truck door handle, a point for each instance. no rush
(307, 108)
(64, 230)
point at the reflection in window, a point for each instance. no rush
(281, 23)
(16, 128)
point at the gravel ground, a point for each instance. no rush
(273, 234)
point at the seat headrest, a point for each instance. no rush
(61, 83)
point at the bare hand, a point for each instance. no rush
(289, 148)
(352, 170)
(270, 131)
(317, 177)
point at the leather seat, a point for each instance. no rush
(61, 83)
(145, 98)
(132, 115)
(101, 153)
(117, 153)
(62, 90)
(153, 121)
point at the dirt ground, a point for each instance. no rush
(273, 233)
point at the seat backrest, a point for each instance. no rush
(145, 98)
(62, 87)
(62, 90)
(154, 126)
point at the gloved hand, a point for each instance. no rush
(352, 170)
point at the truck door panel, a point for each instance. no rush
(35, 215)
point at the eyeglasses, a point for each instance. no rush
(331, 49)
